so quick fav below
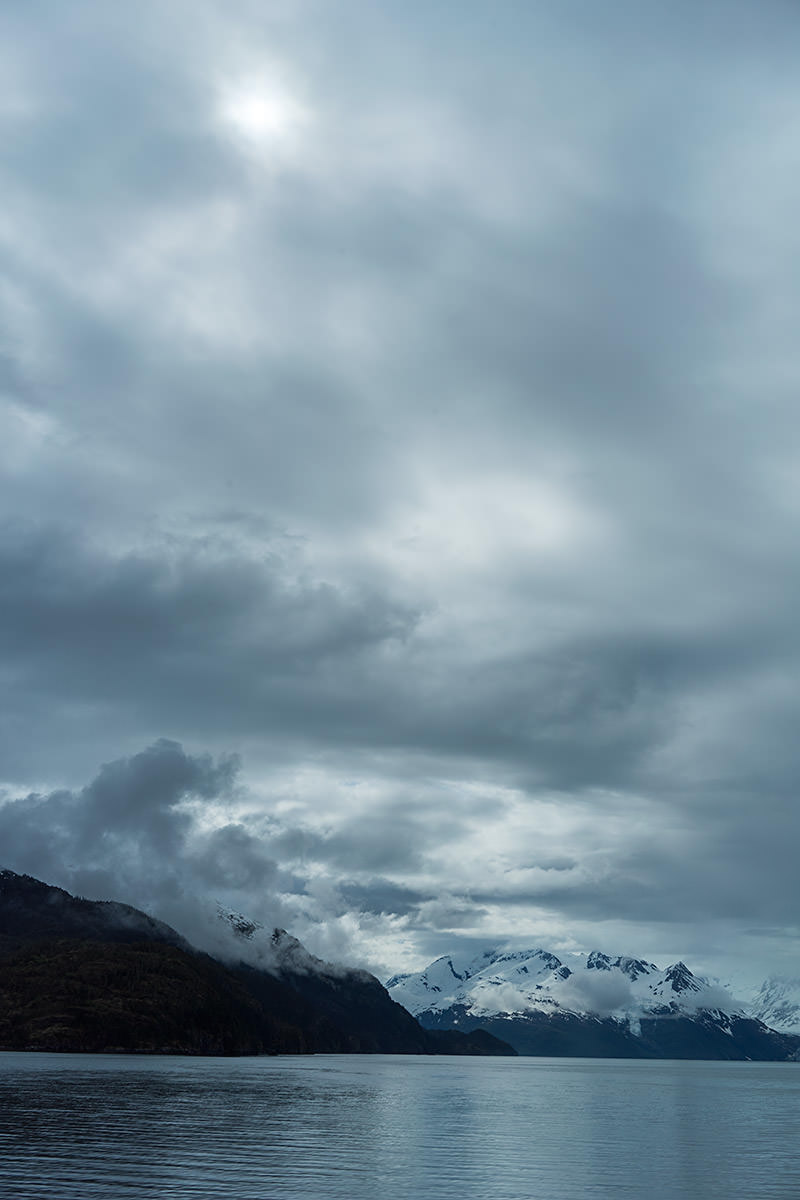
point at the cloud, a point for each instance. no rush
(430, 445)
(151, 830)
(602, 992)
(210, 636)
(130, 822)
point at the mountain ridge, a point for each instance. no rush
(94, 976)
(596, 1004)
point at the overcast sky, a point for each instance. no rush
(400, 532)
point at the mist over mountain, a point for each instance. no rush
(83, 975)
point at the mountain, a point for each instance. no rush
(360, 1016)
(777, 1004)
(85, 975)
(594, 1005)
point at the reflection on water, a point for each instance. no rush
(77, 1127)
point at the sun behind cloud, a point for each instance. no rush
(262, 112)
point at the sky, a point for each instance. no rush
(400, 521)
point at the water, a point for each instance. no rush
(77, 1127)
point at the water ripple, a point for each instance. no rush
(76, 1127)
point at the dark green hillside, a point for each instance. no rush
(34, 911)
(90, 996)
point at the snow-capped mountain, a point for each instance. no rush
(777, 1004)
(512, 982)
(586, 1004)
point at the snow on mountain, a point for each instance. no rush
(274, 950)
(517, 982)
(777, 1004)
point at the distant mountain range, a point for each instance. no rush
(83, 975)
(598, 1005)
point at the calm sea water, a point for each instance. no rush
(77, 1127)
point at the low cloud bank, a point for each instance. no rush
(136, 834)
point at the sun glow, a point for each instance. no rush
(263, 114)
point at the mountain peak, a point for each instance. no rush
(681, 978)
(241, 925)
(496, 982)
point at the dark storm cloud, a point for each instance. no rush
(382, 896)
(190, 633)
(127, 824)
(230, 856)
(391, 841)
(65, 602)
(422, 428)
(197, 634)
(151, 830)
